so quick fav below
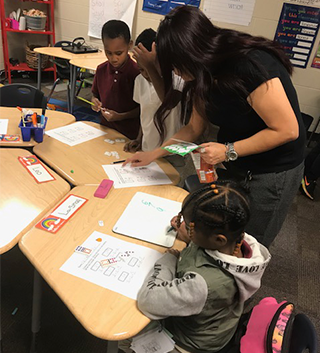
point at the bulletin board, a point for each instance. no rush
(162, 7)
(297, 29)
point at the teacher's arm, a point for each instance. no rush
(270, 102)
(189, 133)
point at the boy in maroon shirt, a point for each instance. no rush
(114, 81)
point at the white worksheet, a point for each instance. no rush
(75, 133)
(112, 263)
(3, 126)
(229, 11)
(127, 177)
(147, 217)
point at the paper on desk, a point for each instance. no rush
(147, 217)
(75, 133)
(3, 126)
(153, 341)
(112, 263)
(127, 177)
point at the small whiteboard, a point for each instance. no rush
(147, 217)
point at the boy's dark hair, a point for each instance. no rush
(218, 208)
(115, 29)
(146, 37)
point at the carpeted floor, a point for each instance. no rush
(293, 274)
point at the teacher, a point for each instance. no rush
(242, 84)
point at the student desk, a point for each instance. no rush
(59, 53)
(82, 164)
(23, 201)
(110, 315)
(55, 119)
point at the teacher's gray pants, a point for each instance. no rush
(271, 196)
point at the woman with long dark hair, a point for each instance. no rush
(242, 84)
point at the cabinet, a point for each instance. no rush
(7, 33)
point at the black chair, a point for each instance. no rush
(63, 72)
(20, 94)
(303, 336)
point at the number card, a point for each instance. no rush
(36, 169)
(61, 214)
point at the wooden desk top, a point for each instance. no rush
(55, 119)
(88, 63)
(23, 201)
(59, 53)
(82, 164)
(104, 313)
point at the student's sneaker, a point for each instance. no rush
(307, 187)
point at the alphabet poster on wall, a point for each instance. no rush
(296, 32)
(162, 7)
(101, 11)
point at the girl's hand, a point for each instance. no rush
(213, 152)
(174, 252)
(140, 159)
(132, 146)
(144, 57)
(182, 233)
(97, 104)
(110, 115)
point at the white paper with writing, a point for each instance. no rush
(75, 133)
(125, 276)
(101, 11)
(127, 177)
(229, 11)
(39, 172)
(153, 341)
(68, 207)
(147, 217)
(3, 126)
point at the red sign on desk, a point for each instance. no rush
(61, 214)
(36, 169)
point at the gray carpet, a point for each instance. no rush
(293, 274)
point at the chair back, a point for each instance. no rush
(63, 66)
(23, 95)
(303, 336)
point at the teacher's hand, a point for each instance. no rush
(213, 152)
(144, 57)
(140, 159)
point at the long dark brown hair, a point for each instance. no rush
(188, 42)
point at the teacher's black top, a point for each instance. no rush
(238, 121)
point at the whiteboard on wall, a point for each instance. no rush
(101, 11)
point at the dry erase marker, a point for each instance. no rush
(34, 119)
(116, 162)
(171, 229)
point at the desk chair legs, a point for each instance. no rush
(73, 79)
(112, 347)
(36, 309)
(39, 72)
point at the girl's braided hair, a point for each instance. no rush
(218, 208)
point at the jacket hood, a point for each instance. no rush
(247, 272)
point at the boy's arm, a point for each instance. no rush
(111, 115)
(163, 295)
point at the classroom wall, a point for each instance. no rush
(71, 20)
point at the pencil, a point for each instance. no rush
(116, 162)
(85, 100)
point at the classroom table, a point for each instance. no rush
(23, 201)
(59, 53)
(55, 119)
(82, 164)
(110, 315)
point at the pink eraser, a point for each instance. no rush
(103, 188)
